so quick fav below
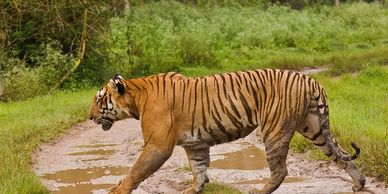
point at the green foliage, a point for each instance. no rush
(162, 36)
(28, 24)
(22, 82)
(358, 114)
(26, 124)
(167, 35)
(39, 39)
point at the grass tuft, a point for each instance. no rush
(218, 188)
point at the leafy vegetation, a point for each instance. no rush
(169, 36)
(26, 124)
(358, 114)
(41, 40)
(172, 36)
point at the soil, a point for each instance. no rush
(90, 160)
(87, 159)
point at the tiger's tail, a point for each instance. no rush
(317, 129)
(323, 111)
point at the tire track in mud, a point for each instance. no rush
(87, 159)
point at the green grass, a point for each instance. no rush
(339, 62)
(219, 188)
(26, 124)
(358, 113)
(216, 188)
(185, 168)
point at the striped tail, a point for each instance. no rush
(323, 110)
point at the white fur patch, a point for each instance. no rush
(101, 93)
(110, 106)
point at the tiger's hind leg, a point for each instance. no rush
(199, 160)
(276, 146)
(314, 132)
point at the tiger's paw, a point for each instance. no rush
(190, 191)
(256, 191)
(115, 189)
(359, 186)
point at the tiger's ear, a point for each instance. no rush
(117, 82)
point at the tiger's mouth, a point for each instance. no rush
(106, 123)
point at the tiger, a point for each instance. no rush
(199, 112)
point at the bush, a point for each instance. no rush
(22, 82)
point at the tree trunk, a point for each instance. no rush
(127, 5)
(337, 2)
(1, 89)
(81, 50)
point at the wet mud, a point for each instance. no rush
(90, 160)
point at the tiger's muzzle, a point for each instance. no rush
(106, 123)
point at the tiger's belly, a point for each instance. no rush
(212, 136)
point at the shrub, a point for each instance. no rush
(21, 81)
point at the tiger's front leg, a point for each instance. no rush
(150, 160)
(199, 160)
(276, 147)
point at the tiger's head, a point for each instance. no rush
(112, 103)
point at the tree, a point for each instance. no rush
(82, 47)
(1, 89)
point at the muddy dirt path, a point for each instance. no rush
(87, 159)
(90, 160)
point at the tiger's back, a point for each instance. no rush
(224, 107)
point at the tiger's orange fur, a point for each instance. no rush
(199, 112)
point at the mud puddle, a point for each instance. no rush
(249, 158)
(263, 181)
(84, 180)
(83, 188)
(87, 180)
(79, 176)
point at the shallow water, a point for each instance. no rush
(250, 158)
(96, 145)
(90, 179)
(99, 152)
(263, 181)
(78, 176)
(82, 188)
